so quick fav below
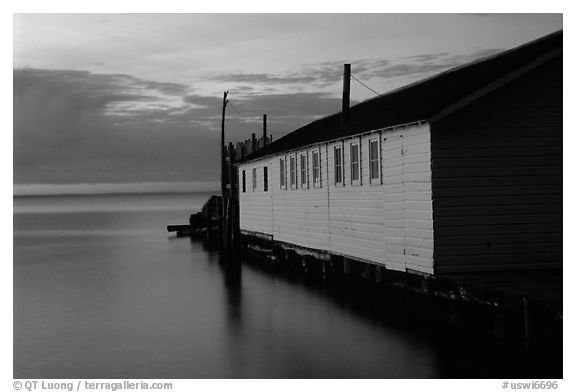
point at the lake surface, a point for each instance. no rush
(101, 290)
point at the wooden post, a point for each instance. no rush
(231, 178)
(453, 309)
(223, 159)
(378, 274)
(346, 94)
(230, 165)
(264, 131)
(225, 224)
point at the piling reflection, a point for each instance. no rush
(231, 267)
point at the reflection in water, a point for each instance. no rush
(112, 295)
(423, 329)
(231, 268)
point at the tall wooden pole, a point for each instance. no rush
(265, 131)
(222, 149)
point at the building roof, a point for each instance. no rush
(420, 101)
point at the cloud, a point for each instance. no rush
(76, 126)
(81, 127)
(325, 76)
(332, 71)
(427, 57)
(409, 69)
(421, 65)
(262, 78)
(164, 87)
(203, 100)
(476, 55)
(317, 75)
(243, 88)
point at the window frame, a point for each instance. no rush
(265, 178)
(304, 181)
(317, 180)
(293, 171)
(358, 162)
(282, 171)
(254, 179)
(340, 165)
(375, 180)
(243, 181)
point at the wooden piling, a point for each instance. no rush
(264, 130)
(378, 274)
(453, 309)
(222, 138)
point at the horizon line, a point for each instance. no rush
(114, 188)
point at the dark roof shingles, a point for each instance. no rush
(417, 101)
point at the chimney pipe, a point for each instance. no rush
(346, 95)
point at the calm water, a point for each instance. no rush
(101, 290)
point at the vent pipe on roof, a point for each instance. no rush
(346, 94)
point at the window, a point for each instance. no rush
(282, 173)
(316, 167)
(374, 161)
(253, 179)
(243, 180)
(303, 170)
(354, 163)
(292, 171)
(265, 178)
(338, 165)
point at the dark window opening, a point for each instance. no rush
(374, 159)
(338, 165)
(282, 173)
(354, 163)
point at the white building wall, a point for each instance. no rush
(387, 221)
(300, 213)
(255, 205)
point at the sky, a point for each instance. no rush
(136, 98)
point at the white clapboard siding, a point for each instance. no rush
(386, 221)
(255, 206)
(300, 212)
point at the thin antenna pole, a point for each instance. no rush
(264, 130)
(222, 144)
